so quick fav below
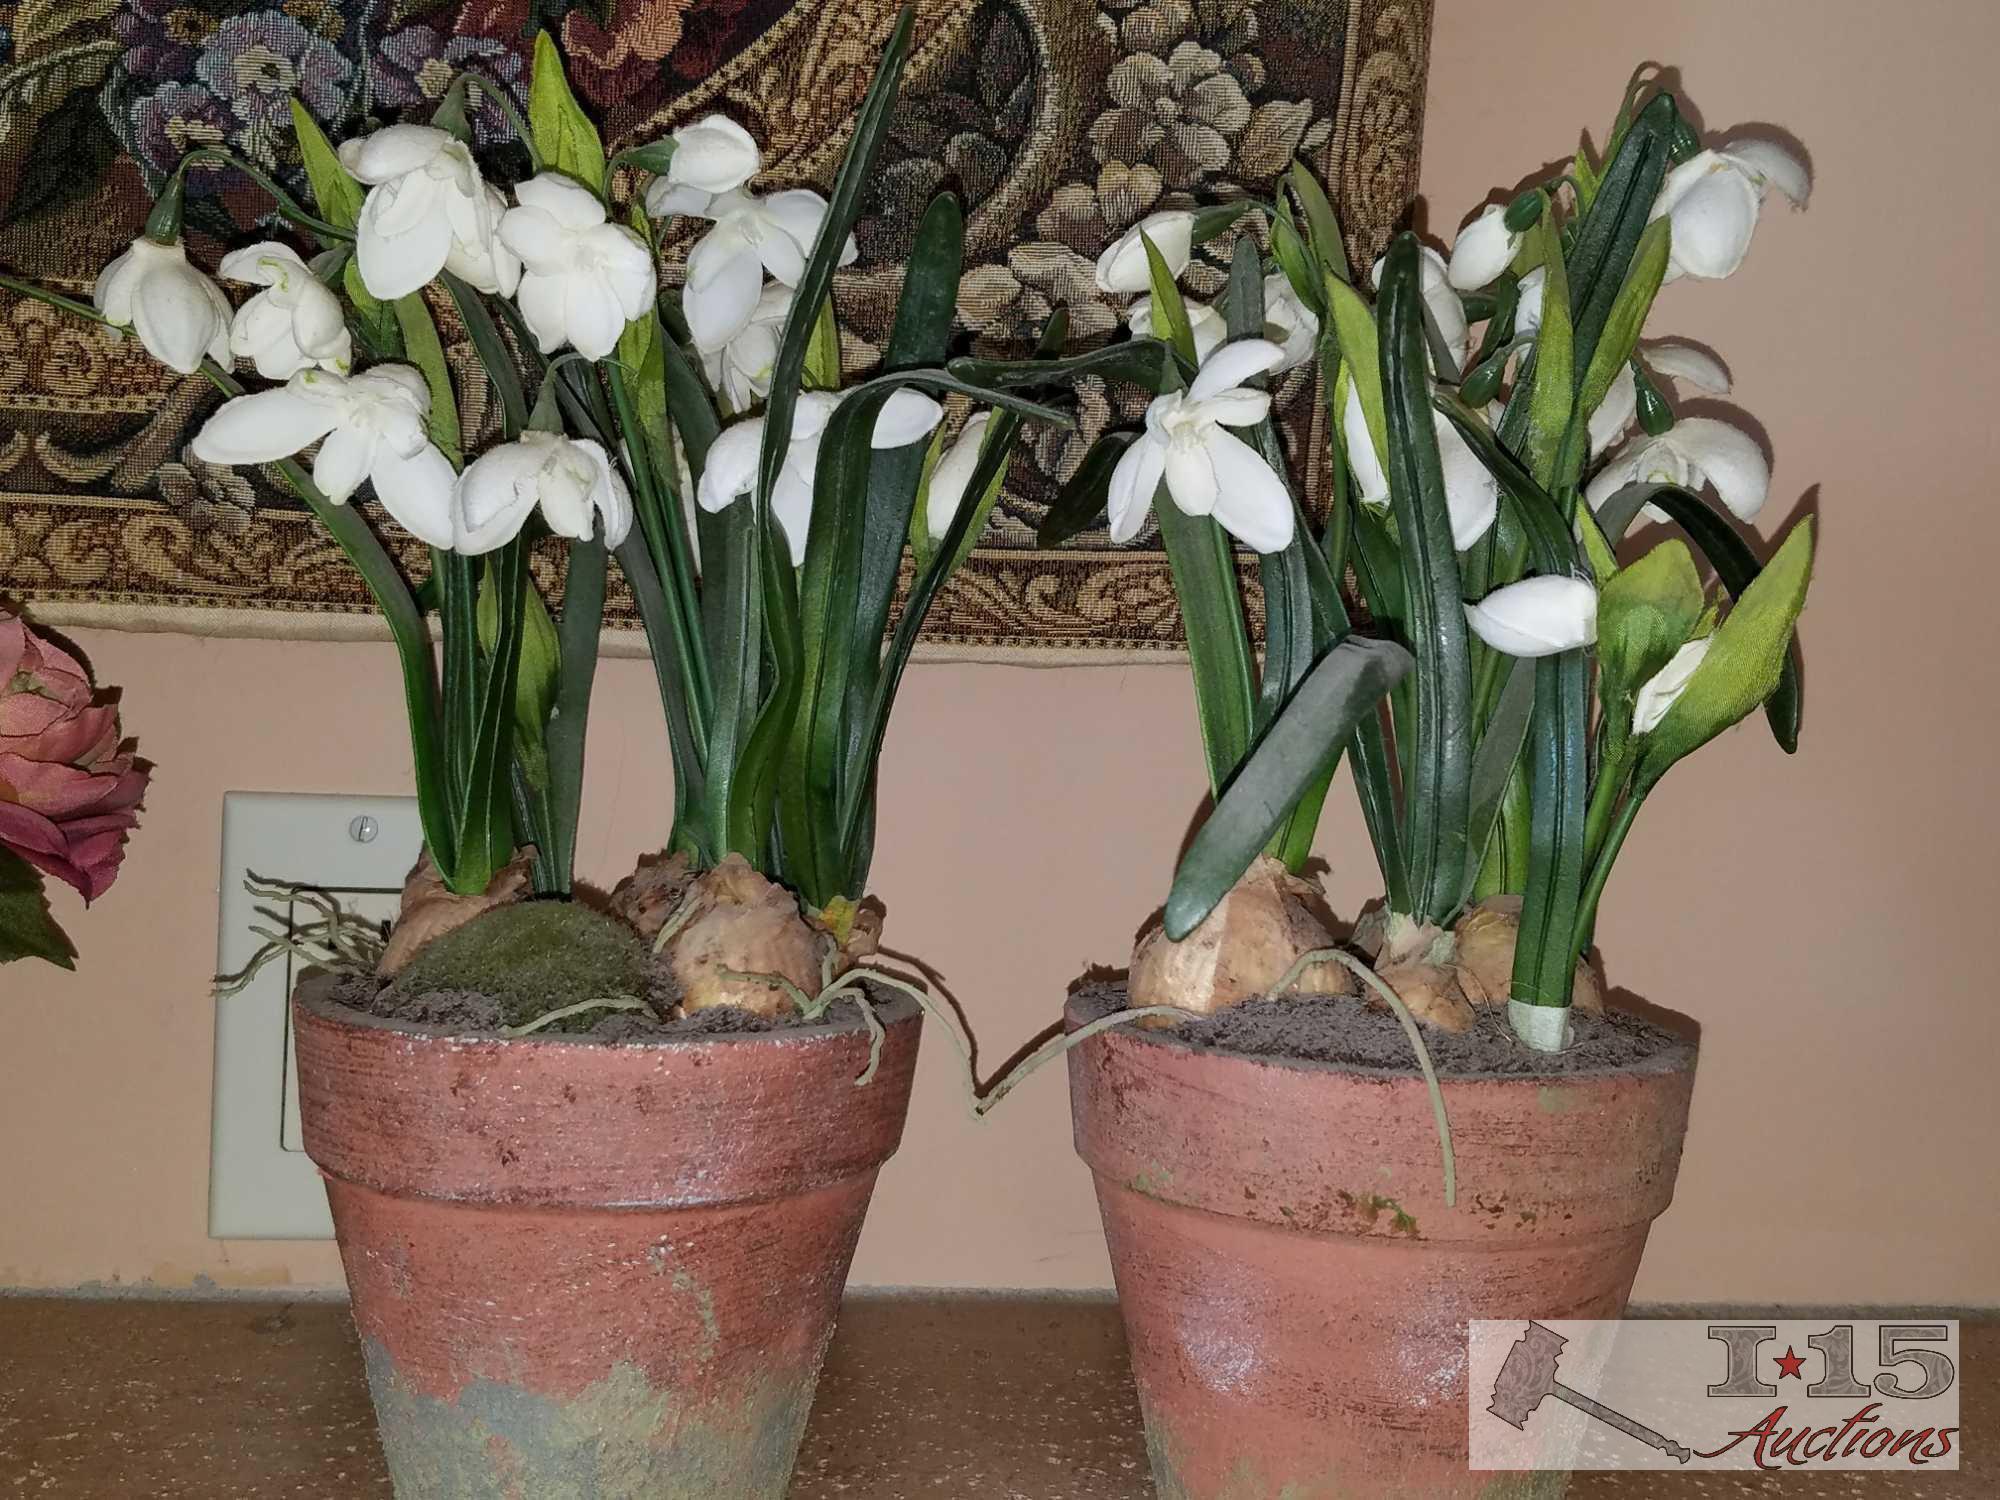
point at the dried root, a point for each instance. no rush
(1241, 949)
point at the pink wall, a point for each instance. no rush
(1823, 918)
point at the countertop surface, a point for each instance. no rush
(980, 1397)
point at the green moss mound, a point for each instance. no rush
(532, 957)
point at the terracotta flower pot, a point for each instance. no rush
(589, 1269)
(1296, 1292)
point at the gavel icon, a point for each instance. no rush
(1529, 1374)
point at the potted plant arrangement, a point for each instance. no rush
(70, 789)
(1333, 1149)
(598, 1165)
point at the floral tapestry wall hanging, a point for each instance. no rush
(1061, 123)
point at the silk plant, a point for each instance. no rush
(759, 504)
(1480, 496)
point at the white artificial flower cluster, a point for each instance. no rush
(1711, 203)
(577, 278)
(1187, 447)
(735, 316)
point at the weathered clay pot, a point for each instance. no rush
(1295, 1291)
(593, 1270)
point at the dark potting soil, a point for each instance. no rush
(1346, 1031)
(470, 1013)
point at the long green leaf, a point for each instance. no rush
(1495, 763)
(811, 792)
(1299, 748)
(1627, 317)
(1438, 796)
(426, 351)
(1322, 224)
(485, 803)
(1205, 583)
(1551, 394)
(1143, 362)
(577, 634)
(752, 811)
(1609, 233)
(684, 745)
(733, 599)
(1080, 503)
(494, 355)
(1360, 356)
(1557, 746)
(850, 185)
(920, 336)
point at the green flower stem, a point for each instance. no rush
(1600, 872)
(1611, 775)
(58, 301)
(675, 558)
(516, 121)
(329, 234)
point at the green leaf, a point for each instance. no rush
(1735, 565)
(1001, 440)
(1360, 357)
(1627, 317)
(824, 775)
(1299, 748)
(920, 336)
(1441, 750)
(576, 649)
(335, 192)
(1748, 658)
(494, 355)
(1551, 396)
(921, 548)
(1295, 260)
(1557, 747)
(1495, 765)
(686, 748)
(850, 184)
(1204, 572)
(822, 371)
(1145, 362)
(27, 927)
(1322, 224)
(1170, 314)
(374, 320)
(426, 352)
(537, 675)
(1645, 613)
(565, 138)
(1080, 504)
(1607, 236)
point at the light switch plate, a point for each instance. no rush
(261, 1184)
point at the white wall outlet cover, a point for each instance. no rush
(261, 1184)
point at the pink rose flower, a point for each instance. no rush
(69, 789)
